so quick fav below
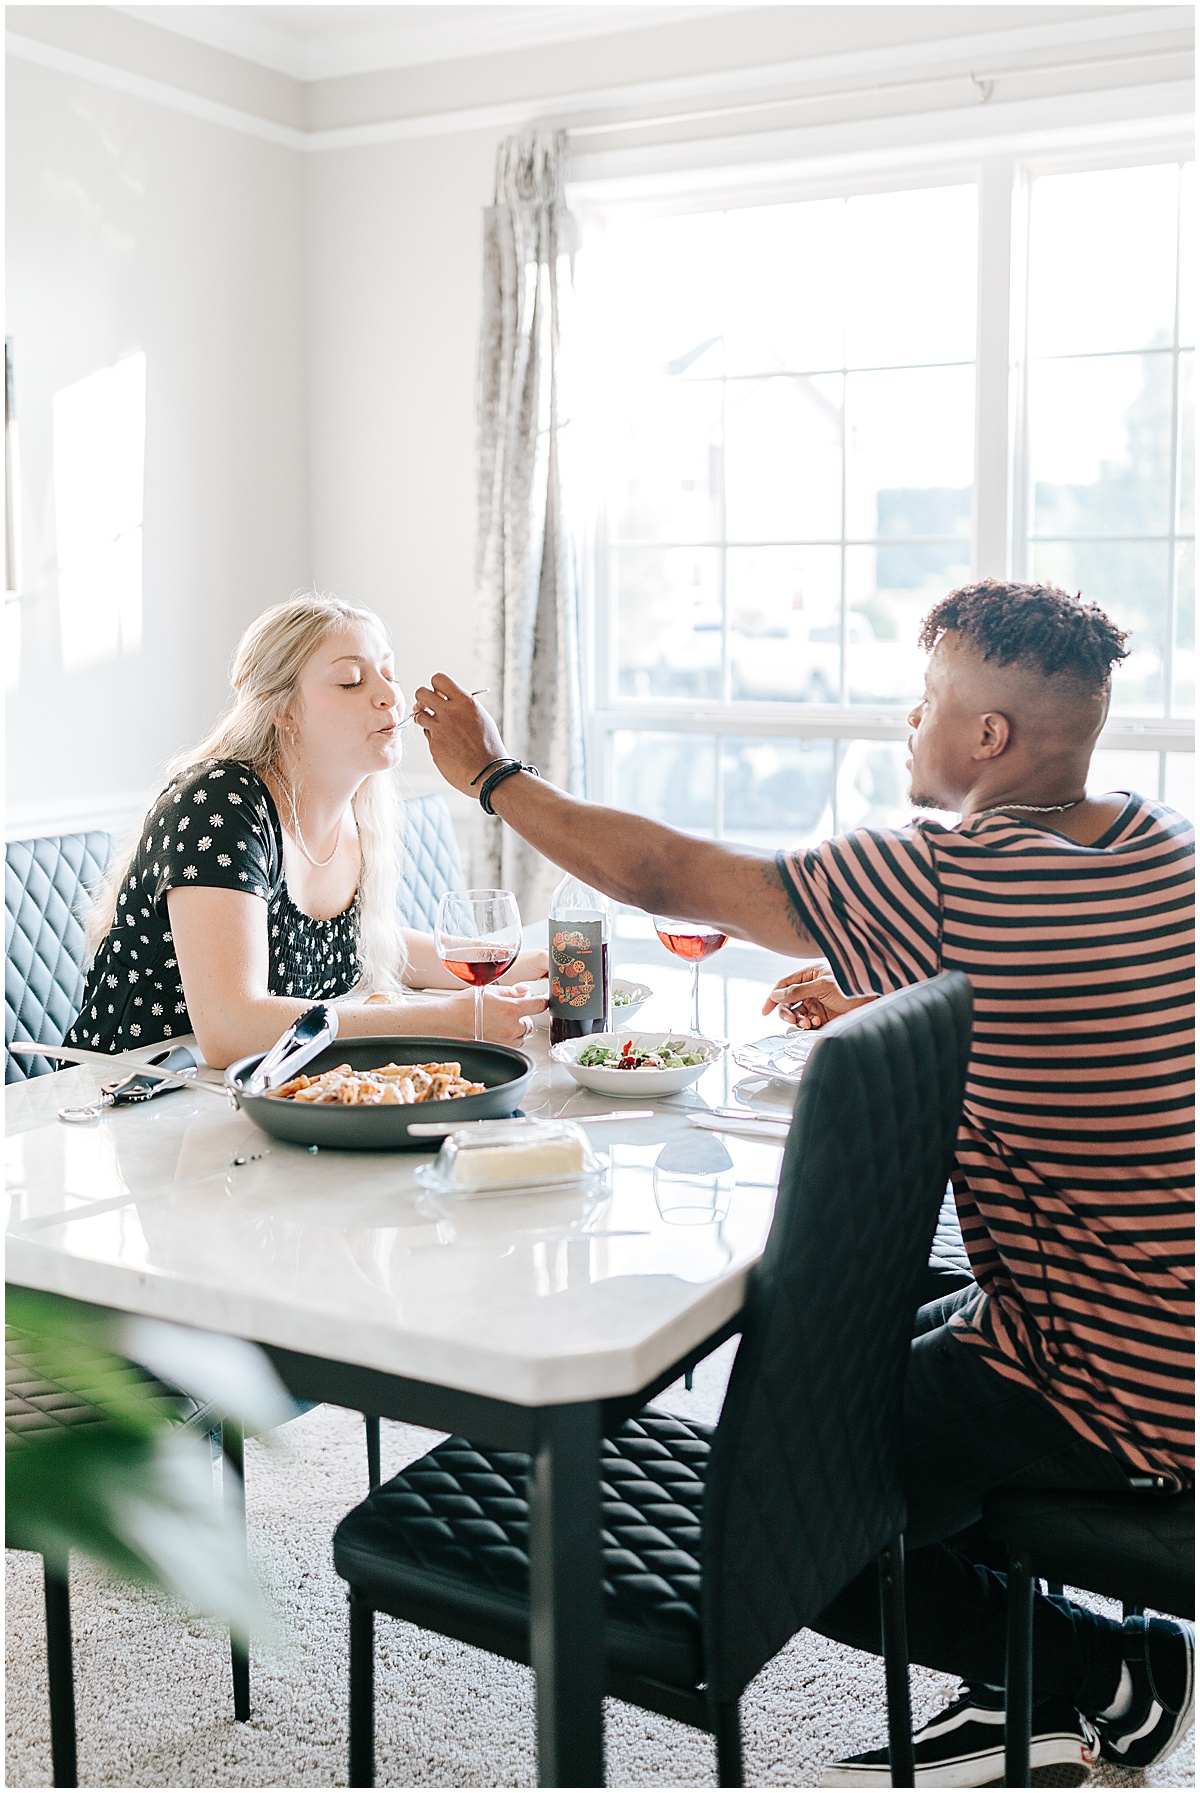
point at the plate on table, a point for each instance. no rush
(781, 1057)
(628, 998)
(606, 1080)
(503, 1070)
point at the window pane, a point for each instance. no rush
(1123, 769)
(1187, 443)
(1187, 256)
(784, 628)
(1100, 445)
(910, 277)
(1183, 702)
(1129, 581)
(888, 592)
(783, 474)
(668, 609)
(1180, 786)
(661, 302)
(872, 786)
(671, 778)
(667, 458)
(777, 792)
(910, 452)
(1102, 260)
(785, 309)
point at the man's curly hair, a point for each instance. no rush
(1031, 625)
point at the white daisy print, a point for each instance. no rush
(189, 871)
(181, 1008)
(216, 821)
(156, 1008)
(183, 822)
(200, 797)
(204, 843)
(224, 859)
(233, 796)
(169, 963)
(133, 977)
(111, 981)
(244, 876)
(166, 1030)
(134, 1029)
(219, 773)
(167, 938)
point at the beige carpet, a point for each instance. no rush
(154, 1704)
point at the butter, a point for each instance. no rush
(527, 1161)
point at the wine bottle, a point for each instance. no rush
(580, 934)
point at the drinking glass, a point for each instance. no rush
(477, 937)
(693, 941)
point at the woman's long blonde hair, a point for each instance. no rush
(265, 675)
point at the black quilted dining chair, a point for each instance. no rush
(720, 1544)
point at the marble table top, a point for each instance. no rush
(184, 1210)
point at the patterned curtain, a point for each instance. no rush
(527, 650)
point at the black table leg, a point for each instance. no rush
(233, 1494)
(566, 1597)
(60, 1670)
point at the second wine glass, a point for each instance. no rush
(693, 941)
(477, 937)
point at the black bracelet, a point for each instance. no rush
(498, 777)
(500, 760)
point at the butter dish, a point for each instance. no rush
(497, 1157)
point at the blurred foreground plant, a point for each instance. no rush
(107, 1448)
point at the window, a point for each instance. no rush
(1110, 443)
(786, 431)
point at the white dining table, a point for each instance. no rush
(530, 1322)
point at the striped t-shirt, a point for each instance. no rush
(1073, 1172)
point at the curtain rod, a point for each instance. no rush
(983, 85)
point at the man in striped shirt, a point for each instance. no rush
(1067, 1363)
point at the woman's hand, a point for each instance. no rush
(462, 737)
(531, 963)
(507, 1013)
(809, 997)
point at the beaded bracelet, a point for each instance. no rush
(497, 777)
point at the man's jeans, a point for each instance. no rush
(969, 1430)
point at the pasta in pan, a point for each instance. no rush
(387, 1086)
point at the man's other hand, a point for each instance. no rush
(809, 997)
(462, 736)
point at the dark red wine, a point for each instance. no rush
(692, 946)
(482, 965)
(563, 1024)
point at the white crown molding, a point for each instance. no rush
(242, 31)
(160, 93)
(1158, 30)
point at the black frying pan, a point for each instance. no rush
(376, 1129)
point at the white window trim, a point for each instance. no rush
(998, 531)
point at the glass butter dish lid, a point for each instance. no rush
(493, 1157)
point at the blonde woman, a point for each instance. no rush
(265, 875)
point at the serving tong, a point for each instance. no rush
(309, 1034)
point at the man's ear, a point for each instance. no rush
(995, 734)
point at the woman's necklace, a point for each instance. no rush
(320, 864)
(1033, 809)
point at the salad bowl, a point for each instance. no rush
(676, 1060)
(628, 998)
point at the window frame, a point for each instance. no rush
(998, 536)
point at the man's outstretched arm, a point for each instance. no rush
(629, 858)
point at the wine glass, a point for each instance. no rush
(477, 937)
(693, 941)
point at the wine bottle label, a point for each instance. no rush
(576, 970)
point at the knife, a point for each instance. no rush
(114, 1061)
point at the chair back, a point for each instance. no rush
(46, 885)
(804, 1485)
(431, 863)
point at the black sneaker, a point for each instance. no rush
(1161, 1656)
(964, 1747)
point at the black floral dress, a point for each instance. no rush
(215, 825)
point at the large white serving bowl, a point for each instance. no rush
(635, 998)
(643, 1084)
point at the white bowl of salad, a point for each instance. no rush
(637, 1064)
(627, 998)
